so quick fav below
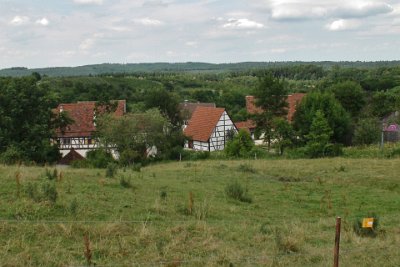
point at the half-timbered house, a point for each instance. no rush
(79, 137)
(209, 129)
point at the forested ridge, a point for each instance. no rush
(108, 68)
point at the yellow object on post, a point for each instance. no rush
(368, 223)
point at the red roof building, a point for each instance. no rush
(209, 128)
(293, 101)
(80, 134)
(187, 108)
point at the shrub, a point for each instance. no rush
(32, 191)
(247, 168)
(111, 170)
(49, 192)
(286, 244)
(240, 145)
(236, 191)
(125, 182)
(11, 156)
(51, 175)
(195, 155)
(367, 131)
(99, 158)
(81, 164)
(163, 194)
(137, 167)
(73, 207)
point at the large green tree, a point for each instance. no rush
(26, 120)
(135, 135)
(350, 95)
(325, 102)
(270, 97)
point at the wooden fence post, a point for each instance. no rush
(337, 242)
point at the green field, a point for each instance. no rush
(289, 222)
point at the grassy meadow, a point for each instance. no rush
(179, 214)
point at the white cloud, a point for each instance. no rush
(343, 24)
(20, 20)
(310, 9)
(296, 12)
(191, 43)
(278, 50)
(42, 21)
(148, 22)
(155, 3)
(355, 9)
(87, 44)
(88, 2)
(242, 24)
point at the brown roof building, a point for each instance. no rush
(209, 129)
(293, 100)
(79, 136)
(187, 108)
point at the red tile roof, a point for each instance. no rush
(246, 125)
(203, 122)
(83, 114)
(187, 108)
(293, 100)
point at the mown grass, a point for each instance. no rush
(290, 221)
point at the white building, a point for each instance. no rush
(209, 129)
(79, 137)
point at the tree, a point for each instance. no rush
(367, 131)
(350, 95)
(385, 102)
(318, 139)
(240, 145)
(283, 134)
(270, 96)
(26, 119)
(338, 119)
(134, 134)
(166, 102)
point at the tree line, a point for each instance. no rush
(351, 101)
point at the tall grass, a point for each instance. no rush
(290, 221)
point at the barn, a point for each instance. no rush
(209, 129)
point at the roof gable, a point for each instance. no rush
(203, 122)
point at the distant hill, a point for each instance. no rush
(107, 68)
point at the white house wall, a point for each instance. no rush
(221, 131)
(201, 146)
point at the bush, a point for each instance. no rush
(73, 207)
(240, 145)
(99, 158)
(111, 170)
(81, 164)
(12, 155)
(51, 175)
(48, 192)
(236, 191)
(195, 155)
(125, 182)
(367, 131)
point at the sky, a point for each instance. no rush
(48, 33)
